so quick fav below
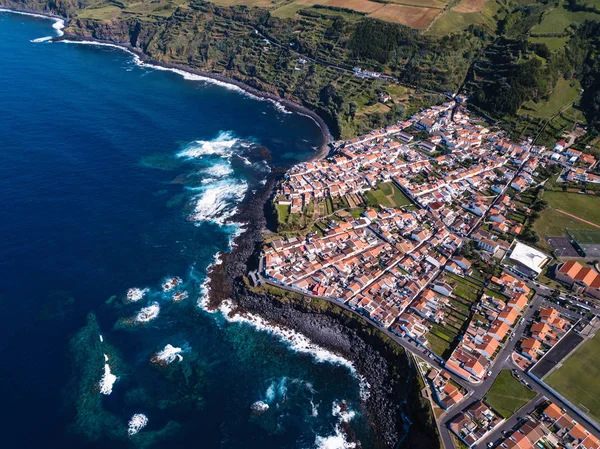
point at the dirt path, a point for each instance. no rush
(578, 218)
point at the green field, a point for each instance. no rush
(553, 43)
(583, 206)
(464, 288)
(577, 378)
(437, 345)
(387, 195)
(283, 213)
(552, 223)
(558, 19)
(565, 93)
(454, 21)
(585, 237)
(508, 395)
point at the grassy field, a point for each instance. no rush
(465, 289)
(437, 345)
(465, 14)
(508, 395)
(283, 213)
(584, 365)
(554, 224)
(553, 43)
(388, 195)
(558, 19)
(583, 206)
(565, 93)
(411, 16)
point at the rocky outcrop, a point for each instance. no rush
(394, 406)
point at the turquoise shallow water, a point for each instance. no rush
(114, 176)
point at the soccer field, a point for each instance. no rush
(577, 379)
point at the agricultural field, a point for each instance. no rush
(414, 13)
(508, 395)
(411, 16)
(582, 364)
(465, 13)
(559, 19)
(564, 94)
(467, 289)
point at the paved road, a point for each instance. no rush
(502, 361)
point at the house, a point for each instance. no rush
(499, 329)
(560, 146)
(580, 279)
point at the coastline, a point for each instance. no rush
(327, 137)
(393, 404)
(225, 280)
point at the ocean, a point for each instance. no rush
(118, 176)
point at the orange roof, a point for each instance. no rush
(519, 301)
(531, 343)
(509, 315)
(570, 268)
(586, 275)
(499, 328)
(553, 411)
(578, 432)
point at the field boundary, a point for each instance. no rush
(578, 218)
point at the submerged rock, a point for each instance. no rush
(167, 355)
(259, 407)
(137, 423)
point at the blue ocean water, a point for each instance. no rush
(115, 176)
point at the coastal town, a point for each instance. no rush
(423, 228)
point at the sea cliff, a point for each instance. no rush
(400, 416)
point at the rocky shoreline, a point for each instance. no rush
(394, 406)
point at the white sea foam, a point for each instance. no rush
(136, 423)
(135, 294)
(170, 283)
(297, 341)
(41, 39)
(58, 24)
(108, 379)
(218, 201)
(179, 296)
(314, 409)
(219, 170)
(259, 407)
(335, 441)
(342, 411)
(222, 145)
(148, 313)
(168, 355)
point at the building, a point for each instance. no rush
(581, 279)
(527, 260)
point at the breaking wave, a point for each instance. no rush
(338, 440)
(167, 355)
(335, 441)
(148, 313)
(296, 340)
(218, 201)
(136, 423)
(222, 146)
(108, 379)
